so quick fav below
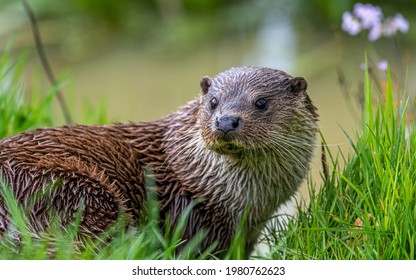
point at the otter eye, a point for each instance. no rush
(214, 103)
(261, 103)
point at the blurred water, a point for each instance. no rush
(274, 45)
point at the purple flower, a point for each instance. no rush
(350, 24)
(368, 14)
(382, 65)
(395, 24)
(401, 23)
(370, 17)
(375, 32)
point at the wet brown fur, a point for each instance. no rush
(103, 168)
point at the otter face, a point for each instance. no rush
(243, 109)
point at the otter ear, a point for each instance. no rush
(297, 85)
(205, 84)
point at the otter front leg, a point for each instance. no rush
(57, 194)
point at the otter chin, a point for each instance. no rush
(225, 142)
(227, 148)
(262, 117)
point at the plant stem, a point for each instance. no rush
(44, 60)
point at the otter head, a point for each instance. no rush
(244, 110)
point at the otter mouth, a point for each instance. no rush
(227, 148)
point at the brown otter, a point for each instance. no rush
(244, 145)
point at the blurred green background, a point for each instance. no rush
(144, 58)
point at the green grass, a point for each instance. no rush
(365, 210)
(146, 242)
(16, 112)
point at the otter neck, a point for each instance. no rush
(238, 183)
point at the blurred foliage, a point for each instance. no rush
(78, 29)
(133, 13)
(82, 27)
(116, 14)
(17, 112)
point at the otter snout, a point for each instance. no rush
(226, 124)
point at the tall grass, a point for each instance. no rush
(148, 241)
(366, 210)
(17, 113)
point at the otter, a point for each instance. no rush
(234, 154)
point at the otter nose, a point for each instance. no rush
(227, 123)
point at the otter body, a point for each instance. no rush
(243, 146)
